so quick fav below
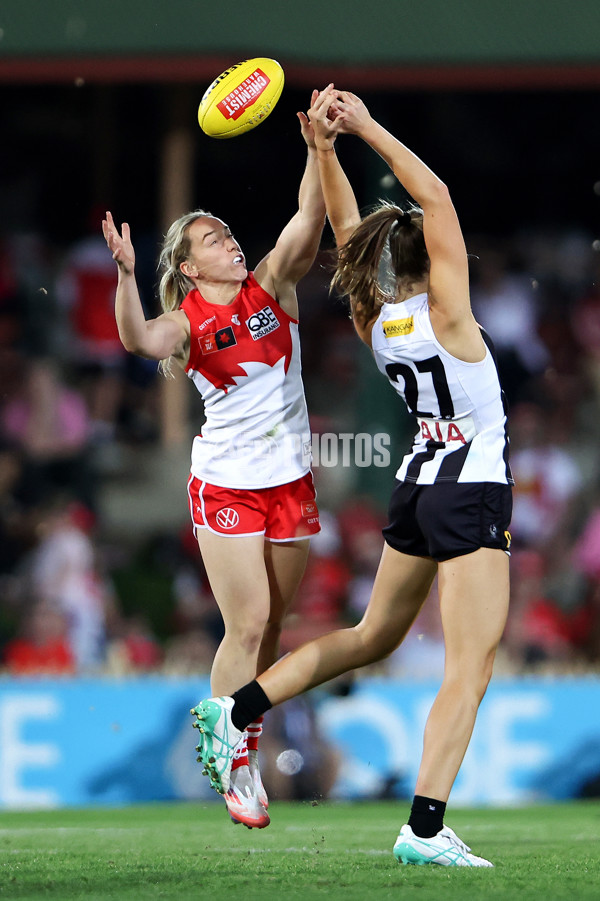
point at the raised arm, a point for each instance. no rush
(155, 339)
(449, 276)
(340, 202)
(297, 245)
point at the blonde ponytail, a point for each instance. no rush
(174, 286)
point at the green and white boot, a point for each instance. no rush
(218, 741)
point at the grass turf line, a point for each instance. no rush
(337, 850)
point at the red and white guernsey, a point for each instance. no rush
(245, 362)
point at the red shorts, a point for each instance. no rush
(282, 513)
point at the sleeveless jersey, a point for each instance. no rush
(245, 362)
(459, 406)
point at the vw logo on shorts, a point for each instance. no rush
(227, 518)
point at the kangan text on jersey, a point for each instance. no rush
(397, 328)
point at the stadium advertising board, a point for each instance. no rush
(75, 743)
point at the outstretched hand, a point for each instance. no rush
(351, 115)
(308, 132)
(119, 245)
(323, 117)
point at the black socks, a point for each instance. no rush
(426, 816)
(250, 703)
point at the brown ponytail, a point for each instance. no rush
(357, 276)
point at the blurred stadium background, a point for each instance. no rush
(105, 608)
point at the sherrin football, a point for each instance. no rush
(241, 97)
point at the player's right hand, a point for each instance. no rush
(322, 117)
(119, 244)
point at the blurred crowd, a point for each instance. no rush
(75, 599)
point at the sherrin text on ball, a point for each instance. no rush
(241, 97)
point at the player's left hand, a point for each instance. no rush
(351, 114)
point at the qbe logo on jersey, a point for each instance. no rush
(261, 323)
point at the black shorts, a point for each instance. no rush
(449, 519)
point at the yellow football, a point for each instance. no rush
(241, 97)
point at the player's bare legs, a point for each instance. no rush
(238, 578)
(474, 592)
(401, 585)
(285, 562)
(254, 581)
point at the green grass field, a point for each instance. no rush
(333, 850)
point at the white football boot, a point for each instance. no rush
(258, 784)
(445, 849)
(242, 800)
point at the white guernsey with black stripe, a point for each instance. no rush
(459, 406)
